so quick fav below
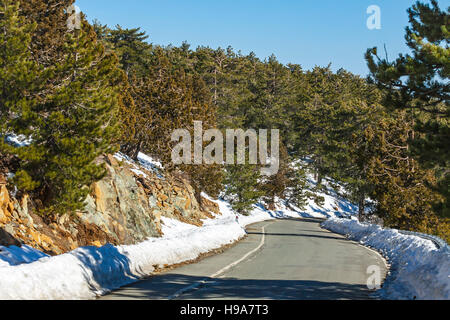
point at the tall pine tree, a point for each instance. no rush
(419, 82)
(73, 121)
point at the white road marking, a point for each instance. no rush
(386, 264)
(223, 270)
(231, 265)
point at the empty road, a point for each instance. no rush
(282, 259)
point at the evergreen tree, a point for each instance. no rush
(19, 75)
(419, 83)
(204, 177)
(297, 193)
(48, 38)
(127, 107)
(242, 187)
(333, 109)
(131, 47)
(288, 183)
(73, 125)
(167, 99)
(403, 191)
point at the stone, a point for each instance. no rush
(9, 228)
(97, 243)
(100, 199)
(188, 204)
(210, 206)
(35, 236)
(163, 197)
(120, 209)
(4, 197)
(3, 218)
(152, 201)
(6, 239)
(177, 190)
(63, 219)
(24, 204)
(112, 160)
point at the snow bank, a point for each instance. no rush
(90, 271)
(13, 255)
(84, 273)
(418, 269)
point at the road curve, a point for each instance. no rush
(283, 259)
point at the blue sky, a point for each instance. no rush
(305, 32)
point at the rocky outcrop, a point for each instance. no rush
(123, 208)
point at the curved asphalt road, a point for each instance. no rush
(283, 259)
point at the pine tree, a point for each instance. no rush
(72, 125)
(297, 193)
(167, 99)
(132, 49)
(204, 177)
(288, 183)
(333, 108)
(403, 191)
(49, 35)
(242, 187)
(419, 83)
(162, 104)
(127, 107)
(19, 75)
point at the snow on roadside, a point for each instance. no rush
(86, 272)
(418, 269)
(12, 256)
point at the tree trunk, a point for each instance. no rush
(361, 207)
(319, 172)
(136, 151)
(319, 178)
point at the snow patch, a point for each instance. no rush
(18, 140)
(418, 269)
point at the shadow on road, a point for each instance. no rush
(230, 288)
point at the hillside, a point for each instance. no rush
(125, 207)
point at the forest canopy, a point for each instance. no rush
(78, 94)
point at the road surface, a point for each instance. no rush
(282, 259)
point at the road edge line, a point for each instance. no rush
(231, 265)
(223, 270)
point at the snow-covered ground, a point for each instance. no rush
(419, 270)
(144, 162)
(18, 140)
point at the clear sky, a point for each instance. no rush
(305, 32)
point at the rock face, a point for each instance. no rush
(123, 208)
